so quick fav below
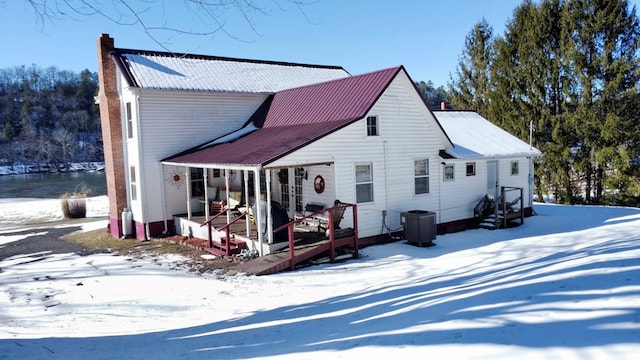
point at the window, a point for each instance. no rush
(515, 168)
(364, 183)
(471, 169)
(372, 126)
(421, 176)
(133, 183)
(449, 172)
(197, 182)
(129, 121)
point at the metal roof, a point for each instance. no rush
(292, 119)
(476, 137)
(169, 71)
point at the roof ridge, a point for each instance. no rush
(347, 78)
(123, 51)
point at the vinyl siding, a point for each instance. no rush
(170, 122)
(408, 131)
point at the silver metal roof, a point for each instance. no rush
(160, 70)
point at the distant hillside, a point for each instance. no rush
(48, 118)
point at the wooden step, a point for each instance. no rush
(219, 247)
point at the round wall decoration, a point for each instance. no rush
(175, 179)
(318, 184)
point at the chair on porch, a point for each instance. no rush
(338, 214)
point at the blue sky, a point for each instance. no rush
(425, 36)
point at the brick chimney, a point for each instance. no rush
(443, 105)
(112, 140)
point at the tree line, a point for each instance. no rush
(48, 117)
(569, 69)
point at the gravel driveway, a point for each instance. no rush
(42, 238)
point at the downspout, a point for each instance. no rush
(386, 187)
(440, 182)
(142, 182)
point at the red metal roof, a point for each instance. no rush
(295, 118)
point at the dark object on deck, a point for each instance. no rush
(279, 217)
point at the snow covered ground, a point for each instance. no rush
(565, 285)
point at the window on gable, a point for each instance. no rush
(515, 170)
(471, 169)
(421, 176)
(197, 182)
(133, 183)
(449, 172)
(364, 183)
(129, 121)
(373, 126)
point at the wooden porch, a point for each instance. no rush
(303, 242)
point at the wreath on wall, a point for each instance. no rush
(283, 176)
(318, 184)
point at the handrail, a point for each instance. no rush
(502, 204)
(225, 228)
(290, 227)
(206, 222)
(235, 220)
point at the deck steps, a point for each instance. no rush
(218, 248)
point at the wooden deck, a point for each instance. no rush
(303, 242)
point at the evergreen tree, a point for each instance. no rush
(470, 90)
(571, 68)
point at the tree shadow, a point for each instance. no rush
(577, 298)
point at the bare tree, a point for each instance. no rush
(156, 18)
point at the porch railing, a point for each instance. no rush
(341, 207)
(226, 228)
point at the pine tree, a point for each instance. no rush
(473, 84)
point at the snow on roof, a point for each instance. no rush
(476, 137)
(161, 70)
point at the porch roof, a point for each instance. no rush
(291, 119)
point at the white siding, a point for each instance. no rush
(407, 132)
(170, 122)
(460, 196)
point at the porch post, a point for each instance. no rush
(268, 207)
(205, 178)
(187, 177)
(226, 196)
(257, 215)
(247, 221)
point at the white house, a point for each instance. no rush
(195, 129)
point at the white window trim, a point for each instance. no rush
(133, 183)
(517, 164)
(356, 183)
(128, 113)
(377, 127)
(444, 172)
(428, 176)
(471, 163)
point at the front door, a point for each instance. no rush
(492, 179)
(291, 191)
